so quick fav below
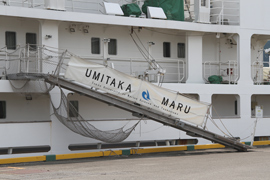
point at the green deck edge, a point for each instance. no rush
(248, 143)
(190, 148)
(126, 152)
(50, 158)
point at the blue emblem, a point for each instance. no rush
(146, 95)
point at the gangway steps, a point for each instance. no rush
(136, 109)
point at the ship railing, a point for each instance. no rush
(175, 68)
(225, 12)
(85, 6)
(8, 56)
(227, 70)
(30, 59)
(43, 59)
(3, 72)
(261, 73)
(92, 6)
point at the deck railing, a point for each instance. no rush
(85, 6)
(34, 59)
(228, 70)
(225, 12)
(260, 73)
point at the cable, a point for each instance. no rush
(141, 51)
(218, 127)
(222, 122)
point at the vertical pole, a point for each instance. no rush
(27, 68)
(72, 5)
(229, 73)
(131, 71)
(178, 70)
(184, 68)
(253, 134)
(19, 63)
(31, 3)
(105, 42)
(24, 57)
(38, 59)
(222, 18)
(7, 62)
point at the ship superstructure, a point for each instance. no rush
(218, 38)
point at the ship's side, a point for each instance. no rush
(190, 52)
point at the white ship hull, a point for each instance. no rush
(210, 49)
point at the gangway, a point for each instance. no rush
(50, 65)
(135, 108)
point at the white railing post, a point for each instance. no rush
(24, 57)
(236, 71)
(7, 62)
(72, 4)
(222, 14)
(178, 72)
(31, 3)
(184, 70)
(20, 59)
(39, 60)
(28, 59)
(131, 70)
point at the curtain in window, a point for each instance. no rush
(31, 38)
(112, 49)
(181, 50)
(2, 109)
(11, 40)
(95, 45)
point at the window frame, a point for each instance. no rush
(11, 46)
(110, 49)
(33, 46)
(3, 109)
(203, 3)
(93, 43)
(179, 55)
(166, 49)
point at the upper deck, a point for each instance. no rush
(218, 15)
(214, 16)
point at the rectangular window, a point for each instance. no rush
(181, 50)
(31, 39)
(73, 109)
(203, 2)
(112, 47)
(235, 108)
(11, 40)
(166, 49)
(3, 110)
(95, 45)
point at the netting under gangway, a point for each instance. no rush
(68, 115)
(46, 60)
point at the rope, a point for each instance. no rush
(222, 122)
